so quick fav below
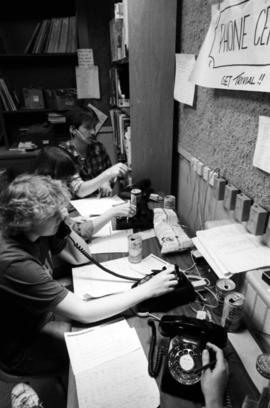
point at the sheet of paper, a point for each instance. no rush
(90, 348)
(91, 281)
(85, 57)
(234, 248)
(122, 382)
(184, 89)
(100, 115)
(95, 206)
(116, 242)
(261, 158)
(87, 81)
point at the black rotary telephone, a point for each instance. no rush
(186, 339)
(183, 293)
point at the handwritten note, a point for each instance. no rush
(85, 57)
(261, 158)
(183, 88)
(110, 368)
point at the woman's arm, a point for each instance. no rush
(74, 308)
(122, 210)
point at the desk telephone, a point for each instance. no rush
(183, 293)
(187, 339)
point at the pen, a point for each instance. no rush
(204, 367)
(93, 215)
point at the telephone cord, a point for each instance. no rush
(154, 367)
(85, 253)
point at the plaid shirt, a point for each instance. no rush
(95, 162)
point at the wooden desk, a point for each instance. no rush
(239, 382)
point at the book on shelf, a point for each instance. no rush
(31, 43)
(72, 37)
(41, 38)
(62, 46)
(8, 97)
(119, 79)
(121, 131)
(54, 36)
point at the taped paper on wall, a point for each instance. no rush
(87, 80)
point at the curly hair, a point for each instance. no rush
(30, 200)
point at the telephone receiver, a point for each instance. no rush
(188, 337)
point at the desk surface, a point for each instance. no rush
(240, 383)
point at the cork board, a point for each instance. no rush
(221, 128)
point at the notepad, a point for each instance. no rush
(110, 368)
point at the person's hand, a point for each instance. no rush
(161, 283)
(105, 190)
(118, 169)
(124, 210)
(214, 381)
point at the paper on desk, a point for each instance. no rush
(235, 248)
(107, 231)
(90, 347)
(147, 234)
(95, 206)
(93, 281)
(117, 242)
(110, 368)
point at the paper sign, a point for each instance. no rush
(261, 157)
(100, 115)
(85, 57)
(87, 80)
(183, 88)
(235, 53)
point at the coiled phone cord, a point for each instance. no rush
(85, 253)
(154, 366)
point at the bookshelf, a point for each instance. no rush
(151, 43)
(31, 67)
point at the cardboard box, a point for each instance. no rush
(60, 99)
(33, 98)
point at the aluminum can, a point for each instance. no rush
(223, 288)
(233, 310)
(135, 248)
(135, 197)
(169, 202)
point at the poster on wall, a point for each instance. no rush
(236, 51)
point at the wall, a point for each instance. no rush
(221, 128)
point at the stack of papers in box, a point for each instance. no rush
(231, 249)
(110, 368)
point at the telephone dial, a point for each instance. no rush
(187, 337)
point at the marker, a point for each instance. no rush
(93, 215)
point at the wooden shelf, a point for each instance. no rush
(31, 111)
(59, 57)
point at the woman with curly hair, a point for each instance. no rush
(31, 341)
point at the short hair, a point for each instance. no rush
(55, 162)
(29, 200)
(78, 116)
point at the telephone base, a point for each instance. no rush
(170, 386)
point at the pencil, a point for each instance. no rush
(204, 367)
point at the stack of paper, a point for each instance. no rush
(231, 249)
(89, 207)
(110, 368)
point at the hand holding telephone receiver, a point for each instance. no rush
(182, 294)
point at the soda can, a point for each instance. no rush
(135, 197)
(135, 248)
(169, 202)
(223, 288)
(233, 310)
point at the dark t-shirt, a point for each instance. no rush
(28, 292)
